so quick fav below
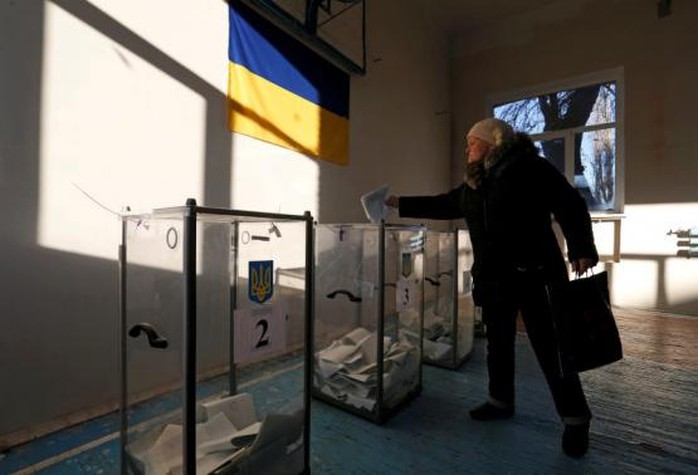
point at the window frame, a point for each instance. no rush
(611, 75)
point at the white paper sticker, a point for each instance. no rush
(405, 293)
(258, 331)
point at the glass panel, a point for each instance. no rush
(466, 306)
(595, 168)
(347, 312)
(449, 311)
(554, 151)
(153, 344)
(523, 115)
(269, 340)
(583, 106)
(604, 110)
(439, 298)
(403, 317)
(258, 323)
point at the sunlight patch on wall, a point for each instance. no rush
(645, 227)
(162, 24)
(114, 126)
(681, 280)
(603, 238)
(273, 179)
(634, 284)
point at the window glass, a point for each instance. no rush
(583, 106)
(554, 151)
(595, 171)
(575, 127)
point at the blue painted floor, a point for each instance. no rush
(645, 421)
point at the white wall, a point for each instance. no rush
(126, 102)
(400, 120)
(575, 38)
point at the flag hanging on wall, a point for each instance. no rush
(282, 92)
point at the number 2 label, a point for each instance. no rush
(258, 331)
(263, 334)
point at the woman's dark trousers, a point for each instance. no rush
(529, 295)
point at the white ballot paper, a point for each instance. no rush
(374, 204)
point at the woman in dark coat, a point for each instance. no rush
(508, 199)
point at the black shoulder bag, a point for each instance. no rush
(584, 322)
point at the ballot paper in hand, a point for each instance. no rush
(374, 204)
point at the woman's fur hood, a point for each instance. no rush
(518, 145)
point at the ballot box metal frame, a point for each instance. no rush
(190, 214)
(381, 413)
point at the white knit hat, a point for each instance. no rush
(492, 131)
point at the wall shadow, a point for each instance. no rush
(60, 326)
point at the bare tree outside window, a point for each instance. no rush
(575, 130)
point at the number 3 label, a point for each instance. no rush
(258, 331)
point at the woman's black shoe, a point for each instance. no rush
(575, 440)
(489, 412)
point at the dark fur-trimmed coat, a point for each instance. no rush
(509, 215)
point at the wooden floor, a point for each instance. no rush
(645, 420)
(645, 416)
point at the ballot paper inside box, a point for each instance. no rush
(215, 315)
(368, 316)
(448, 305)
(230, 439)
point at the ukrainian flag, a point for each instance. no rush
(282, 92)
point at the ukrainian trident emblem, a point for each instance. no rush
(261, 284)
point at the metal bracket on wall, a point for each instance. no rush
(305, 32)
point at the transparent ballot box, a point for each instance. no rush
(449, 311)
(367, 321)
(214, 326)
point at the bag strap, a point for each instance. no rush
(578, 276)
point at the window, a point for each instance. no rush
(576, 129)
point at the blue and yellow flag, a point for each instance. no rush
(282, 92)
